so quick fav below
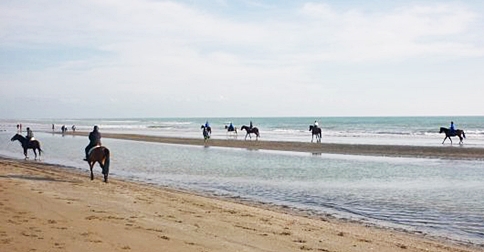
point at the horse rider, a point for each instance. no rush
(94, 140)
(29, 135)
(207, 125)
(250, 125)
(316, 125)
(452, 128)
(231, 127)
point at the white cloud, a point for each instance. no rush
(154, 50)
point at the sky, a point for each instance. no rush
(241, 58)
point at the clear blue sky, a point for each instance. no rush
(150, 58)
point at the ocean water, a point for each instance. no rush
(438, 197)
(354, 130)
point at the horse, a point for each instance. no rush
(26, 144)
(207, 131)
(316, 131)
(101, 155)
(231, 130)
(249, 131)
(458, 132)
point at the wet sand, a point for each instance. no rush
(445, 151)
(50, 208)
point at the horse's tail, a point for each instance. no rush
(106, 161)
(463, 134)
(39, 147)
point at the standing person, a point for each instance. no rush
(18, 128)
(74, 128)
(30, 134)
(53, 128)
(452, 128)
(94, 139)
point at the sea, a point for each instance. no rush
(437, 197)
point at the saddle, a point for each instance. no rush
(92, 149)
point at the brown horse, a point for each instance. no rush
(249, 131)
(448, 134)
(26, 144)
(316, 132)
(101, 155)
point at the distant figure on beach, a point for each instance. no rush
(448, 133)
(206, 132)
(94, 140)
(74, 128)
(231, 127)
(18, 128)
(53, 128)
(29, 135)
(452, 128)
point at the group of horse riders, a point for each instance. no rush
(207, 130)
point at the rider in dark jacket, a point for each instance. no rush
(94, 139)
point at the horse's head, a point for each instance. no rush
(17, 137)
(310, 127)
(442, 129)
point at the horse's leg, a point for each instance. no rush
(91, 164)
(460, 137)
(444, 139)
(312, 137)
(25, 153)
(104, 170)
(35, 153)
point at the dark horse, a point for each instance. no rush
(101, 155)
(26, 144)
(254, 130)
(207, 131)
(458, 132)
(316, 132)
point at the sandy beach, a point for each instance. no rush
(455, 151)
(50, 208)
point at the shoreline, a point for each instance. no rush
(60, 208)
(443, 152)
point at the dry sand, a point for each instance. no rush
(49, 208)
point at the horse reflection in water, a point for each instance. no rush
(26, 144)
(101, 155)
